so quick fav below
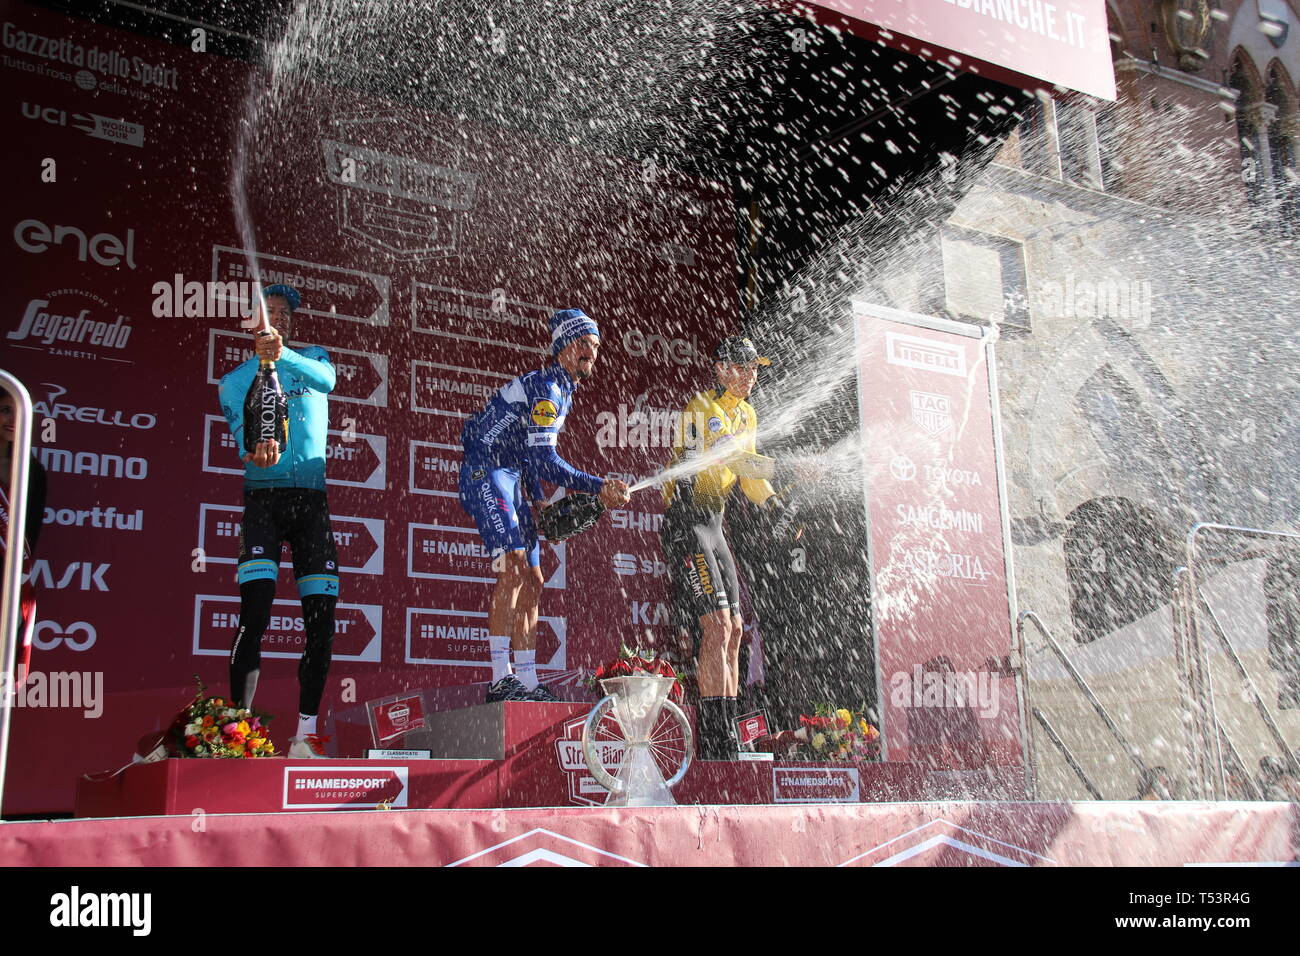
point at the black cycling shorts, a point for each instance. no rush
(700, 563)
(300, 516)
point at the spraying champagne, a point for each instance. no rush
(266, 408)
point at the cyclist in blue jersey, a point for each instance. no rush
(509, 449)
(285, 500)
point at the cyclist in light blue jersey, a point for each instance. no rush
(285, 500)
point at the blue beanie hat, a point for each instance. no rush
(569, 325)
(287, 292)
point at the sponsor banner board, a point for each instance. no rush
(935, 519)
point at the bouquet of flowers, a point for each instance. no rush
(211, 727)
(638, 663)
(836, 733)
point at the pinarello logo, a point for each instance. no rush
(315, 788)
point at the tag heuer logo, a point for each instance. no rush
(932, 412)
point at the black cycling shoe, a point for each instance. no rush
(542, 694)
(508, 688)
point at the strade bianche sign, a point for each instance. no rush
(1062, 42)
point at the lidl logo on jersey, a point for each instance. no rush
(544, 412)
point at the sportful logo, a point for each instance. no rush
(929, 356)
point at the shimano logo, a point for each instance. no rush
(103, 248)
(636, 520)
(93, 463)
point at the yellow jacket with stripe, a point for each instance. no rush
(722, 428)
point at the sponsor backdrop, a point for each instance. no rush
(939, 565)
(429, 253)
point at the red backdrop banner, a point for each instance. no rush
(429, 252)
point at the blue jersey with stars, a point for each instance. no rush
(519, 428)
(307, 377)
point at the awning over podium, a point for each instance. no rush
(1028, 43)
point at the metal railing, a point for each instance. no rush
(10, 588)
(1055, 738)
(1130, 751)
(1193, 616)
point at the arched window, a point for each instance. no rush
(1281, 144)
(1120, 558)
(1250, 97)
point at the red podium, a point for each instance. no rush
(504, 755)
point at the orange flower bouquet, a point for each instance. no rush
(214, 727)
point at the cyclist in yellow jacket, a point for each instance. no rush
(714, 449)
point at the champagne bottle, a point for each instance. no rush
(266, 410)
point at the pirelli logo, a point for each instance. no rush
(925, 354)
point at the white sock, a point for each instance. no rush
(526, 668)
(306, 725)
(499, 648)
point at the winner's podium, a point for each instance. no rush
(504, 755)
